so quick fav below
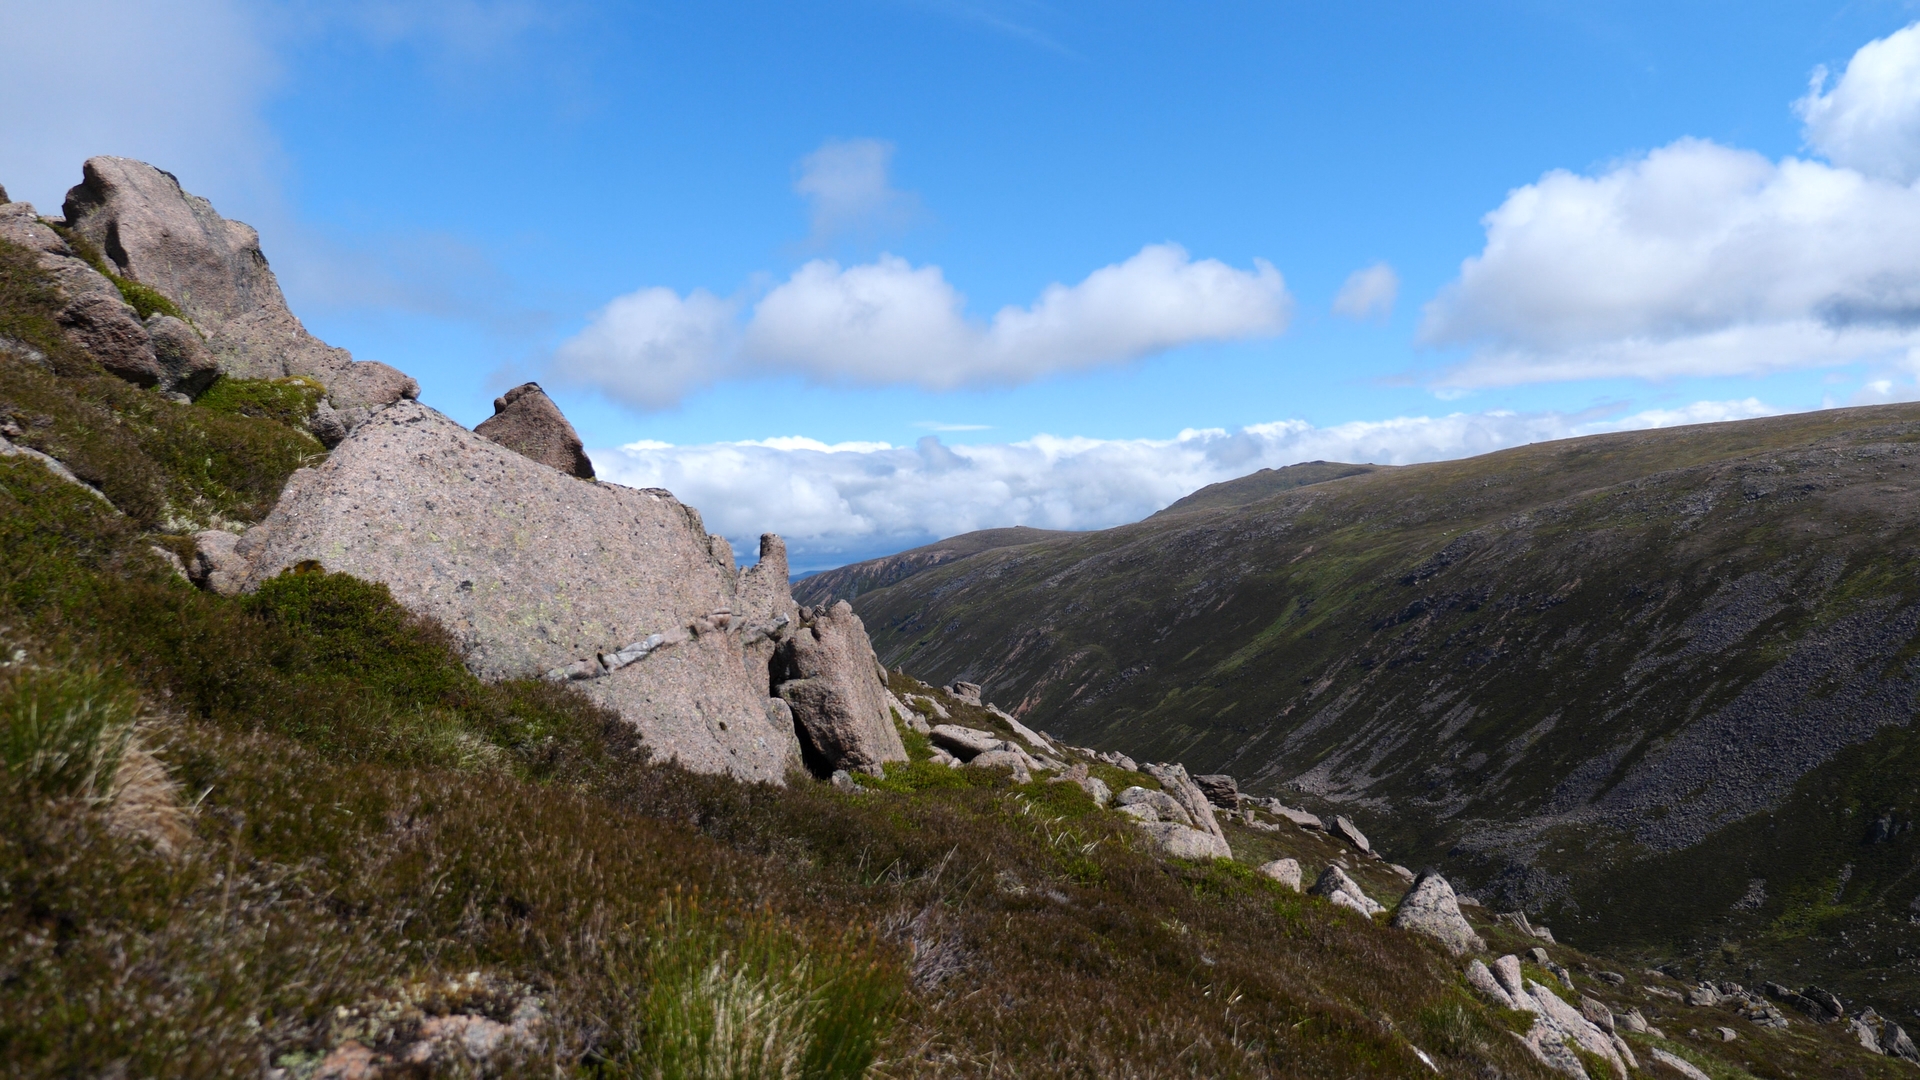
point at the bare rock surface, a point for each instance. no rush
(159, 235)
(832, 683)
(94, 316)
(535, 572)
(1430, 908)
(527, 421)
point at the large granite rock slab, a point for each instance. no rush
(161, 236)
(527, 421)
(538, 573)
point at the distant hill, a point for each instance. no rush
(850, 581)
(847, 582)
(1257, 486)
(1656, 685)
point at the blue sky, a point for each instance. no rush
(462, 188)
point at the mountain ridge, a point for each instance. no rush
(1633, 645)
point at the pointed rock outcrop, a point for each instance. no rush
(526, 421)
(157, 234)
(831, 680)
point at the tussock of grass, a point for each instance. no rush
(63, 734)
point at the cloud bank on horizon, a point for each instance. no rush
(1699, 259)
(844, 502)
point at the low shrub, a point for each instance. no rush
(288, 401)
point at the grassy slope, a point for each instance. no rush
(1496, 663)
(368, 823)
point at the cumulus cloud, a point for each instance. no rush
(1700, 259)
(890, 323)
(850, 189)
(647, 348)
(1368, 293)
(180, 84)
(847, 501)
(1870, 120)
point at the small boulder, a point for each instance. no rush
(1007, 759)
(1633, 1020)
(966, 692)
(1140, 811)
(186, 366)
(1284, 871)
(526, 421)
(1679, 1064)
(1182, 842)
(217, 566)
(1348, 831)
(963, 742)
(1507, 970)
(1336, 887)
(1220, 789)
(1429, 908)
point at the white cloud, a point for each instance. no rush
(648, 348)
(1870, 120)
(842, 502)
(848, 184)
(179, 84)
(890, 323)
(1696, 259)
(1700, 259)
(1368, 293)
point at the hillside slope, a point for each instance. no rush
(1656, 685)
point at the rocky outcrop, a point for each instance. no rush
(1175, 781)
(1153, 806)
(1430, 908)
(827, 675)
(1558, 1028)
(534, 572)
(93, 317)
(526, 421)
(1220, 789)
(157, 234)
